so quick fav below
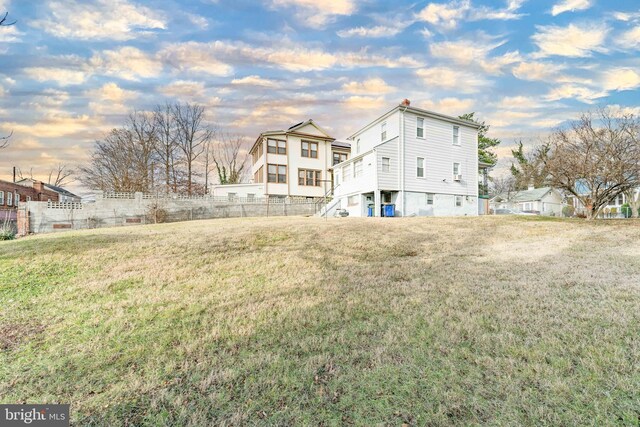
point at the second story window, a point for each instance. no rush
(276, 146)
(9, 198)
(309, 149)
(1, 197)
(456, 171)
(16, 199)
(383, 132)
(420, 167)
(386, 164)
(339, 158)
(420, 128)
(456, 135)
(357, 168)
(358, 145)
(277, 174)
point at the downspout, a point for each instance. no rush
(402, 153)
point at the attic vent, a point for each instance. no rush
(297, 124)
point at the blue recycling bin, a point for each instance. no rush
(389, 210)
(370, 210)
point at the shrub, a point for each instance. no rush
(568, 211)
(626, 210)
(7, 231)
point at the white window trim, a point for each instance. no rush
(418, 127)
(454, 168)
(383, 131)
(424, 174)
(388, 159)
(455, 201)
(453, 136)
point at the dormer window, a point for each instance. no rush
(383, 132)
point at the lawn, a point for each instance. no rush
(302, 321)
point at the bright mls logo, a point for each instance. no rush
(34, 415)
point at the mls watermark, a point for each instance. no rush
(34, 415)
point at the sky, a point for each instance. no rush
(72, 70)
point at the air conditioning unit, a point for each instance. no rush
(457, 177)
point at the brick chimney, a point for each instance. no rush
(405, 102)
(38, 186)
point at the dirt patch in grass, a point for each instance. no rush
(14, 335)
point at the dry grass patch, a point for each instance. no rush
(287, 321)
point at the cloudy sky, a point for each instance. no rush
(71, 70)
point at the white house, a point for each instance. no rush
(424, 163)
(238, 191)
(545, 201)
(296, 162)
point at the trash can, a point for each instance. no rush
(390, 210)
(370, 210)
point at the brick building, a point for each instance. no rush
(11, 194)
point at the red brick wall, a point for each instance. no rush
(24, 192)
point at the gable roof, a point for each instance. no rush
(295, 130)
(525, 195)
(61, 190)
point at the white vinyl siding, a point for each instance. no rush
(388, 179)
(439, 155)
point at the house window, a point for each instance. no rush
(386, 197)
(458, 201)
(456, 169)
(276, 146)
(357, 168)
(17, 199)
(352, 201)
(429, 198)
(383, 131)
(1, 197)
(420, 167)
(259, 176)
(9, 198)
(309, 149)
(277, 174)
(456, 135)
(386, 164)
(28, 198)
(345, 173)
(420, 128)
(357, 145)
(339, 158)
(309, 177)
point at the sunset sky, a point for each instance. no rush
(71, 70)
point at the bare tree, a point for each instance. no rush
(229, 156)
(4, 22)
(596, 158)
(504, 185)
(61, 176)
(123, 160)
(166, 145)
(4, 140)
(193, 135)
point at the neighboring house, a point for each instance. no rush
(239, 191)
(64, 195)
(11, 194)
(612, 209)
(424, 163)
(296, 162)
(545, 201)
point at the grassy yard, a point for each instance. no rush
(301, 321)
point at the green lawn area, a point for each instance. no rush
(302, 321)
